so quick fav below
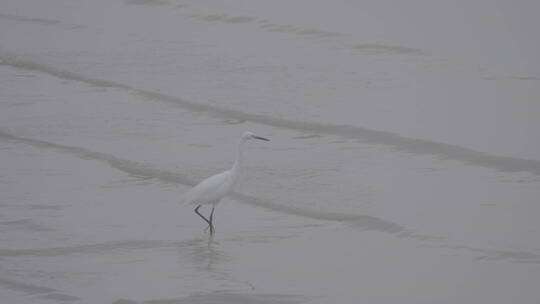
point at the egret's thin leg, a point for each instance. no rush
(212, 230)
(202, 216)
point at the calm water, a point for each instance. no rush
(404, 163)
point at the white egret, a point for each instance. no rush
(211, 190)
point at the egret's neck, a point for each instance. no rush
(238, 162)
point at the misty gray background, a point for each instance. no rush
(404, 165)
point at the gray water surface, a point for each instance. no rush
(404, 162)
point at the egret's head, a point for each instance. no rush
(250, 135)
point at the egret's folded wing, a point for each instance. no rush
(208, 191)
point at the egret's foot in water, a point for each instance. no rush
(212, 229)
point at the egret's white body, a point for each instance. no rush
(211, 190)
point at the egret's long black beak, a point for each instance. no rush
(261, 138)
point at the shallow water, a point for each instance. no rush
(401, 168)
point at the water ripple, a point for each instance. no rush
(398, 142)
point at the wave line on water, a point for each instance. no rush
(407, 144)
(132, 167)
(40, 292)
(364, 222)
(40, 21)
(87, 248)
